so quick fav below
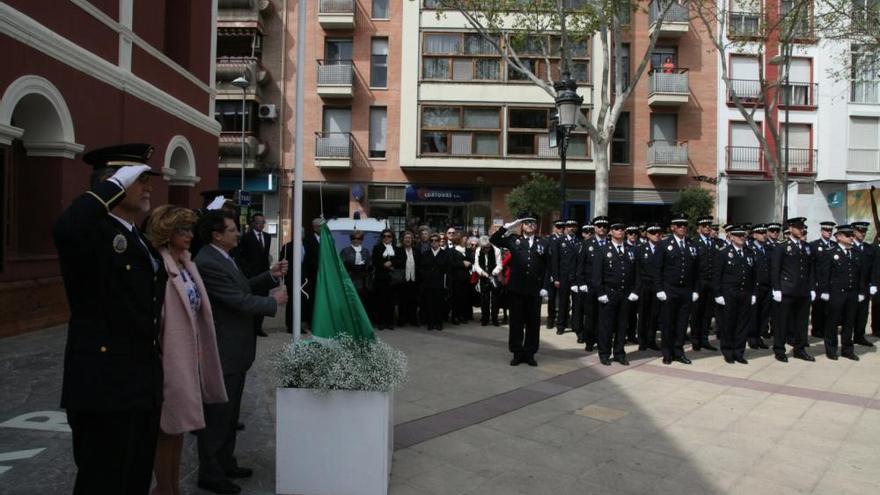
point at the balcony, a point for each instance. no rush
(335, 79)
(748, 91)
(674, 25)
(336, 14)
(667, 158)
(333, 150)
(864, 92)
(745, 159)
(799, 94)
(230, 151)
(800, 160)
(863, 161)
(743, 25)
(668, 87)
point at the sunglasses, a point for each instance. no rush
(357, 238)
(435, 239)
(616, 228)
(386, 235)
(679, 225)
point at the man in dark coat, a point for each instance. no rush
(840, 281)
(703, 309)
(648, 255)
(821, 246)
(792, 282)
(564, 252)
(434, 273)
(253, 253)
(311, 255)
(733, 288)
(760, 326)
(115, 285)
(868, 254)
(677, 284)
(552, 303)
(616, 278)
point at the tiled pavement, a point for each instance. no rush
(468, 423)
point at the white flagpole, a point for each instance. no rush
(296, 234)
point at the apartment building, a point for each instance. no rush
(80, 75)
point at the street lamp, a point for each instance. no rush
(568, 106)
(244, 84)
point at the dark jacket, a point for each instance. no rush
(791, 268)
(564, 254)
(253, 256)
(433, 269)
(358, 273)
(528, 266)
(837, 272)
(615, 273)
(112, 358)
(649, 268)
(383, 274)
(458, 272)
(677, 268)
(762, 265)
(734, 273)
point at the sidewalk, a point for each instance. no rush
(468, 423)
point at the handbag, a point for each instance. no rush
(397, 276)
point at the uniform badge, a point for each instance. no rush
(669, 248)
(518, 242)
(836, 257)
(819, 249)
(609, 255)
(730, 255)
(631, 255)
(120, 244)
(646, 255)
(540, 249)
(591, 249)
(564, 245)
(788, 249)
(808, 249)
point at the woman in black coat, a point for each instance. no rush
(408, 292)
(386, 259)
(358, 263)
(433, 275)
(460, 262)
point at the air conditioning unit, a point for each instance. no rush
(268, 112)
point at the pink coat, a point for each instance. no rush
(189, 353)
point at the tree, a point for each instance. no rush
(695, 201)
(555, 28)
(539, 195)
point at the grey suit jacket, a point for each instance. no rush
(234, 305)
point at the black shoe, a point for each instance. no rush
(530, 360)
(742, 360)
(762, 345)
(589, 347)
(484, 323)
(849, 355)
(439, 327)
(782, 358)
(239, 472)
(708, 346)
(696, 347)
(667, 361)
(550, 325)
(516, 360)
(239, 426)
(803, 355)
(831, 356)
(261, 333)
(643, 348)
(683, 360)
(580, 339)
(863, 341)
(729, 359)
(223, 486)
(560, 331)
(622, 360)
(654, 347)
(606, 361)
(631, 341)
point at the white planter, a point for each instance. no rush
(334, 443)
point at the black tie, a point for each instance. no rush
(620, 250)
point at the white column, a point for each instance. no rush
(126, 16)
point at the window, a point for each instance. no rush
(800, 82)
(337, 51)
(624, 63)
(620, 140)
(228, 113)
(380, 9)
(745, 79)
(800, 152)
(461, 131)
(379, 63)
(534, 51)
(525, 125)
(797, 19)
(378, 130)
(864, 144)
(744, 152)
(459, 57)
(335, 140)
(743, 18)
(865, 75)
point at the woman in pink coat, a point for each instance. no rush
(189, 344)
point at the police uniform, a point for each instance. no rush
(589, 308)
(704, 309)
(528, 277)
(840, 278)
(677, 278)
(616, 278)
(733, 279)
(115, 286)
(647, 256)
(552, 239)
(632, 320)
(760, 325)
(818, 308)
(867, 254)
(791, 273)
(564, 254)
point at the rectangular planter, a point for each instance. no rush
(337, 442)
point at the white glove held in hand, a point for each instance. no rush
(584, 288)
(720, 300)
(661, 295)
(777, 295)
(633, 297)
(542, 293)
(861, 298)
(873, 290)
(217, 203)
(126, 176)
(603, 299)
(825, 296)
(812, 295)
(574, 288)
(695, 296)
(512, 224)
(754, 300)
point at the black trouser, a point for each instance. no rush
(648, 315)
(577, 312)
(817, 317)
(525, 320)
(113, 451)
(563, 303)
(674, 313)
(589, 316)
(551, 306)
(461, 299)
(489, 295)
(384, 303)
(861, 318)
(408, 303)
(613, 317)
(703, 310)
(217, 439)
(792, 317)
(842, 308)
(875, 314)
(733, 328)
(760, 315)
(434, 309)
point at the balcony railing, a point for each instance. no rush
(800, 160)
(336, 7)
(668, 80)
(800, 94)
(743, 24)
(667, 153)
(747, 90)
(334, 145)
(865, 92)
(863, 160)
(677, 12)
(744, 159)
(335, 73)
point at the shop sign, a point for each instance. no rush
(419, 194)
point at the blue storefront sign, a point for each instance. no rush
(426, 194)
(258, 184)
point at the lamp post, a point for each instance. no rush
(787, 50)
(244, 84)
(568, 104)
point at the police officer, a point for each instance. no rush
(820, 246)
(867, 253)
(648, 255)
(563, 265)
(760, 324)
(115, 283)
(527, 285)
(773, 230)
(579, 297)
(676, 289)
(704, 309)
(616, 278)
(733, 283)
(558, 233)
(840, 279)
(585, 280)
(792, 282)
(633, 240)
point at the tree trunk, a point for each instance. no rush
(779, 198)
(600, 197)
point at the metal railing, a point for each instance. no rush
(677, 12)
(668, 80)
(747, 90)
(865, 92)
(337, 7)
(667, 153)
(335, 73)
(863, 160)
(801, 94)
(744, 159)
(800, 160)
(743, 23)
(333, 145)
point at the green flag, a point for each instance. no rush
(338, 309)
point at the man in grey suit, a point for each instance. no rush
(234, 304)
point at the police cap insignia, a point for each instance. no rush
(120, 243)
(120, 156)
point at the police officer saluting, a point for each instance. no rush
(733, 283)
(115, 283)
(529, 258)
(791, 277)
(840, 279)
(615, 276)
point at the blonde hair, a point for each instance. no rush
(164, 220)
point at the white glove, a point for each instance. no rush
(603, 299)
(754, 300)
(633, 297)
(574, 288)
(217, 203)
(126, 176)
(825, 296)
(584, 288)
(812, 295)
(695, 296)
(661, 295)
(777, 295)
(542, 293)
(861, 298)
(873, 290)
(510, 225)
(720, 300)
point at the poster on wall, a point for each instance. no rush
(858, 205)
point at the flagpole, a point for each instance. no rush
(296, 233)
